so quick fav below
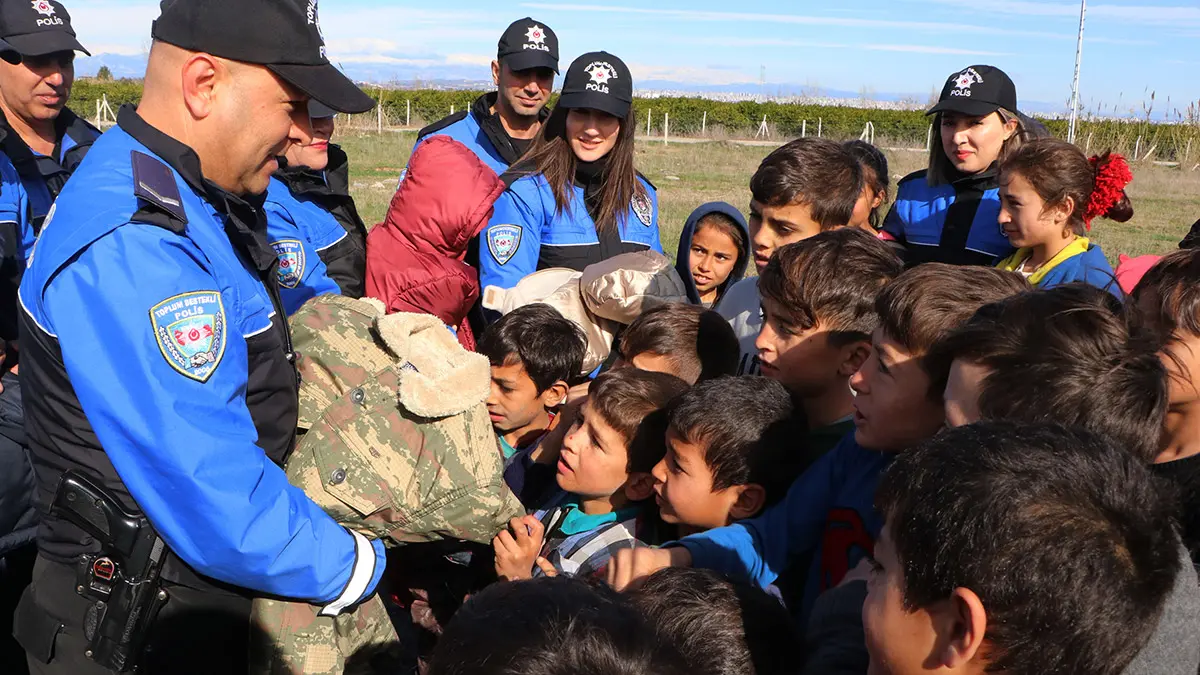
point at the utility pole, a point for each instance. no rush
(1075, 84)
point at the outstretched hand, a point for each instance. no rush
(517, 548)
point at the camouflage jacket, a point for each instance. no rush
(394, 442)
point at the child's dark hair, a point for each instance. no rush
(831, 279)
(812, 171)
(924, 304)
(698, 342)
(748, 429)
(1166, 302)
(875, 172)
(719, 626)
(548, 346)
(726, 225)
(1066, 538)
(633, 402)
(1063, 355)
(551, 626)
(1058, 170)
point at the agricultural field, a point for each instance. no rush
(1166, 200)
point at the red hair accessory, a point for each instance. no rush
(1112, 175)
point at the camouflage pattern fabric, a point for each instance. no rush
(396, 443)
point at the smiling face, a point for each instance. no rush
(1025, 217)
(892, 409)
(973, 143)
(711, 259)
(774, 226)
(37, 89)
(594, 462)
(314, 153)
(522, 92)
(591, 133)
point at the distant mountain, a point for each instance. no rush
(121, 65)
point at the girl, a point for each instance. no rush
(312, 222)
(1050, 193)
(575, 199)
(947, 212)
(875, 185)
(714, 249)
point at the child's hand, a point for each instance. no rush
(630, 566)
(517, 548)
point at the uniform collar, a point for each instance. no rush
(67, 124)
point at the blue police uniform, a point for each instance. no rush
(300, 231)
(526, 233)
(480, 130)
(45, 175)
(157, 358)
(956, 223)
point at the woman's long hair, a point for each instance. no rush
(551, 156)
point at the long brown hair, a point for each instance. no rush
(551, 156)
(940, 168)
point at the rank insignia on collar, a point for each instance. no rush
(291, 261)
(191, 332)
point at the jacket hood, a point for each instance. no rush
(444, 199)
(685, 247)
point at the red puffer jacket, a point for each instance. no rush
(415, 257)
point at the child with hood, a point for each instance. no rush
(714, 249)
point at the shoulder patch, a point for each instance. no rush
(191, 332)
(442, 124)
(503, 241)
(291, 261)
(642, 208)
(154, 183)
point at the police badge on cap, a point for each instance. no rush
(599, 81)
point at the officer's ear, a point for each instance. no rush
(496, 73)
(201, 73)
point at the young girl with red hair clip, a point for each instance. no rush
(1049, 194)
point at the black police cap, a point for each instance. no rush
(283, 35)
(528, 44)
(600, 81)
(977, 91)
(37, 28)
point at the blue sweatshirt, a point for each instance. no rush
(1081, 261)
(828, 515)
(683, 253)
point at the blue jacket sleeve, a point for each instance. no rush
(302, 273)
(656, 242)
(759, 549)
(187, 449)
(512, 242)
(893, 223)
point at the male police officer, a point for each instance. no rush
(157, 357)
(501, 126)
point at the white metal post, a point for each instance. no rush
(704, 123)
(1075, 84)
(803, 128)
(820, 124)
(408, 112)
(666, 126)
(649, 116)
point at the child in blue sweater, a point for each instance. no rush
(1049, 194)
(828, 515)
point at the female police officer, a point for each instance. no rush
(575, 199)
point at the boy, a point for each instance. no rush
(828, 512)
(603, 473)
(535, 354)
(1023, 549)
(807, 186)
(687, 341)
(730, 453)
(818, 301)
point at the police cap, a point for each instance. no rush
(977, 91)
(283, 35)
(600, 81)
(528, 44)
(37, 28)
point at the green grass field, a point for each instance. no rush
(1166, 201)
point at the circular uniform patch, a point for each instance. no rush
(190, 330)
(291, 261)
(643, 208)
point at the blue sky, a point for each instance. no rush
(898, 46)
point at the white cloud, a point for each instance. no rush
(772, 42)
(470, 59)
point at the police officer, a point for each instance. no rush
(501, 126)
(157, 357)
(312, 222)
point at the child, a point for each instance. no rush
(714, 249)
(875, 185)
(1023, 549)
(687, 341)
(818, 299)
(947, 212)
(729, 454)
(535, 354)
(805, 187)
(603, 473)
(720, 627)
(828, 515)
(1049, 194)
(1166, 309)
